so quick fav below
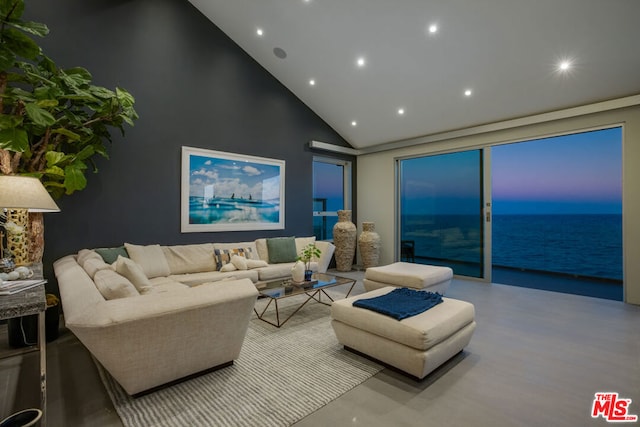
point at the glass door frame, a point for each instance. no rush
(346, 183)
(485, 211)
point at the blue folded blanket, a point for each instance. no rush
(401, 303)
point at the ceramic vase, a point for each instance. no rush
(297, 272)
(344, 238)
(369, 245)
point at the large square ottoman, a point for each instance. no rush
(416, 345)
(409, 275)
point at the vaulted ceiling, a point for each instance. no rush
(381, 71)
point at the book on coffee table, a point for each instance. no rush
(15, 286)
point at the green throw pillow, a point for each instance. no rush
(281, 249)
(110, 255)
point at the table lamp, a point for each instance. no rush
(18, 196)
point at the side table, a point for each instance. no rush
(27, 302)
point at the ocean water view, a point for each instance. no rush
(586, 245)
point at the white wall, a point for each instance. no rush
(376, 180)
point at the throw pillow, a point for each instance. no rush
(150, 258)
(228, 267)
(113, 286)
(110, 255)
(303, 242)
(93, 265)
(239, 262)
(281, 249)
(253, 250)
(194, 258)
(132, 271)
(86, 254)
(223, 256)
(256, 263)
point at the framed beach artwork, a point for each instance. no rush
(230, 192)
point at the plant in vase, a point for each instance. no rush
(307, 254)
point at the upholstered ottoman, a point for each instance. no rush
(416, 345)
(409, 275)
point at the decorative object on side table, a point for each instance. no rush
(307, 254)
(18, 196)
(369, 244)
(344, 238)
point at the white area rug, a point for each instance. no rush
(282, 376)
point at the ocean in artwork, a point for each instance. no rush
(232, 210)
(587, 245)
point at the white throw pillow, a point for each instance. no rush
(93, 265)
(113, 286)
(239, 262)
(150, 258)
(256, 263)
(132, 271)
(228, 267)
(303, 242)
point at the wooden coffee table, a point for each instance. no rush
(279, 289)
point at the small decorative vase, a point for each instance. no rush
(344, 238)
(297, 272)
(369, 244)
(307, 275)
(17, 243)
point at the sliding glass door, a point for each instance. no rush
(441, 215)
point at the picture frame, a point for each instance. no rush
(223, 191)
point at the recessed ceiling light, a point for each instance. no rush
(564, 65)
(259, 32)
(354, 123)
(312, 82)
(361, 62)
(468, 92)
(400, 111)
(433, 28)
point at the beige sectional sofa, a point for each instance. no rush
(153, 314)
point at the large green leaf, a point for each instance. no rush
(85, 153)
(20, 43)
(11, 9)
(54, 171)
(39, 115)
(8, 121)
(66, 132)
(14, 140)
(34, 28)
(74, 178)
(7, 58)
(54, 157)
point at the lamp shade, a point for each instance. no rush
(25, 192)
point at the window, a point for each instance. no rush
(331, 192)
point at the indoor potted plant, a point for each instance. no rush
(53, 121)
(308, 253)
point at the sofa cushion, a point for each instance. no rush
(93, 265)
(110, 255)
(195, 279)
(86, 254)
(113, 286)
(281, 249)
(223, 256)
(150, 258)
(189, 258)
(134, 272)
(163, 284)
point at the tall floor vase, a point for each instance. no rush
(344, 238)
(369, 245)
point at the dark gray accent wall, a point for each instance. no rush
(193, 86)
